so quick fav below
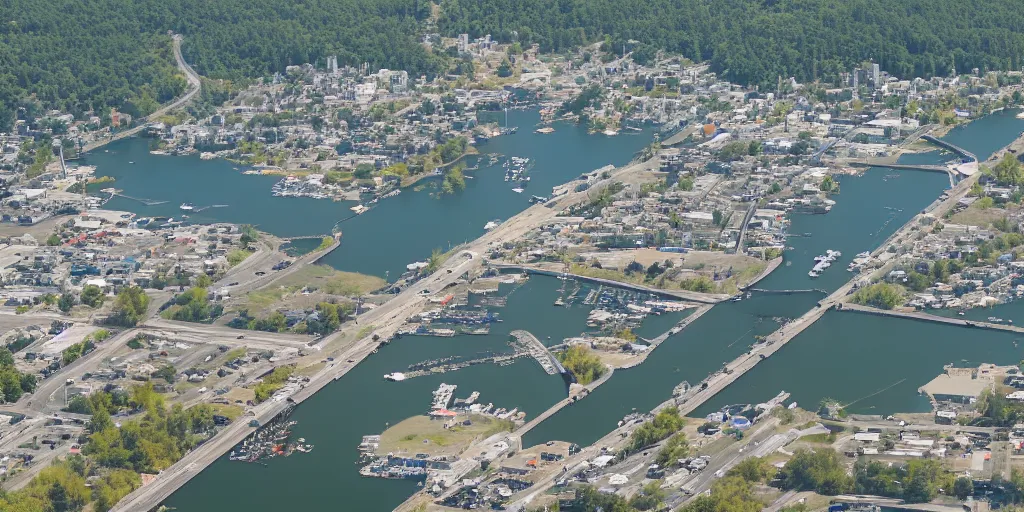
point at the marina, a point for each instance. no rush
(731, 321)
(271, 440)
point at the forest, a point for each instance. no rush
(757, 41)
(82, 55)
(85, 55)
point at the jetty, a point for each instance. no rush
(536, 349)
(928, 317)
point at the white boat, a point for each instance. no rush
(813, 274)
(187, 207)
(518, 190)
(491, 225)
(864, 254)
(395, 377)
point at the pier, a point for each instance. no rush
(704, 298)
(535, 348)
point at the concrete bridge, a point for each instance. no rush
(966, 155)
(788, 292)
(907, 167)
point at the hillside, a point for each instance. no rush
(77, 55)
(756, 41)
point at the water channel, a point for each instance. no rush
(874, 363)
(385, 239)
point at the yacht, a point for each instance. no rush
(187, 207)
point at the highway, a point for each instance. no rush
(218, 335)
(194, 86)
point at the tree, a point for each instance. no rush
(716, 216)
(963, 487)
(879, 295)
(827, 184)
(435, 261)
(166, 372)
(685, 184)
(129, 307)
(675, 448)
(820, 471)
(505, 69)
(582, 363)
(66, 302)
(664, 424)
(53, 240)
(92, 296)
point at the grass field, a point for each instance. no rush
(420, 434)
(333, 282)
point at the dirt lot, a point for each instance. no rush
(690, 260)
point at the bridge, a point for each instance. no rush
(906, 167)
(743, 229)
(966, 155)
(788, 292)
(825, 146)
(547, 360)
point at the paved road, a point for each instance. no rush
(228, 335)
(889, 425)
(194, 85)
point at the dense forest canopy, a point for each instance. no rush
(756, 41)
(80, 55)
